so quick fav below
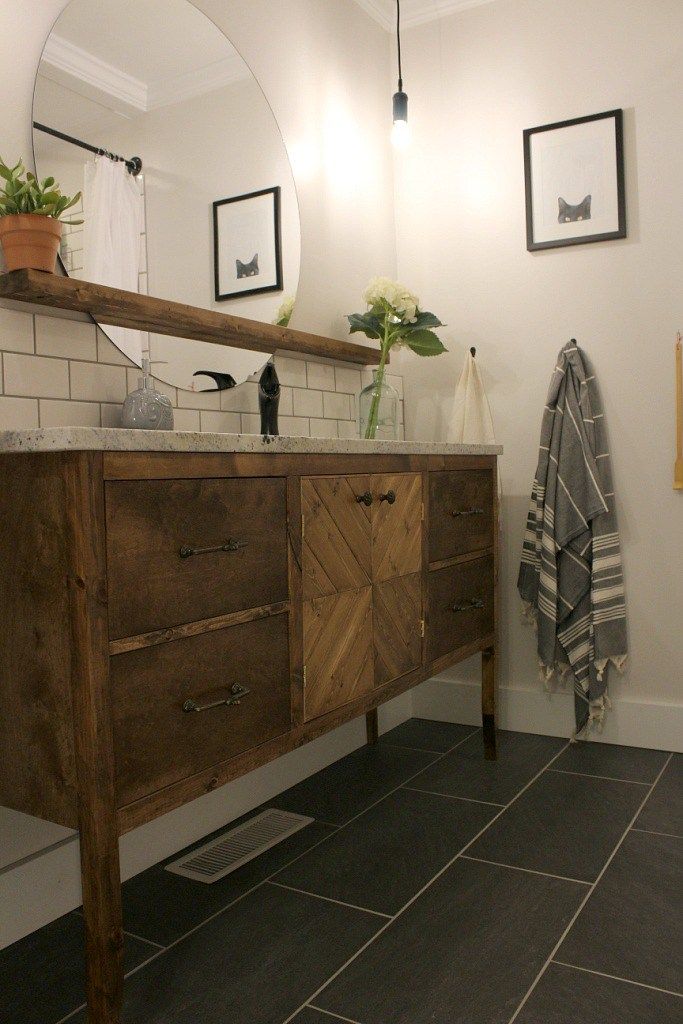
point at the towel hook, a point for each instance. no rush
(473, 351)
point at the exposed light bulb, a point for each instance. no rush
(400, 134)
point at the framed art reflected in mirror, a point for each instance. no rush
(574, 177)
(247, 251)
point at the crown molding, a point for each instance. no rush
(198, 82)
(415, 12)
(66, 63)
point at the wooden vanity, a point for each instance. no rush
(174, 619)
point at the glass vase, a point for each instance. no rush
(378, 409)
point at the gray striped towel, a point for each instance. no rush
(571, 578)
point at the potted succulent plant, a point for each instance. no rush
(30, 218)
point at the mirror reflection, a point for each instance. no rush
(188, 193)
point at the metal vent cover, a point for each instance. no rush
(230, 851)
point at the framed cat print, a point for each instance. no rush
(247, 256)
(574, 177)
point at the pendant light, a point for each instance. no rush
(399, 134)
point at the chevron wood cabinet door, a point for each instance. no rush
(337, 535)
(397, 627)
(396, 525)
(338, 653)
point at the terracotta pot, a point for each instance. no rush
(30, 241)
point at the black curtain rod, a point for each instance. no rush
(134, 165)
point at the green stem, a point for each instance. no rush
(371, 428)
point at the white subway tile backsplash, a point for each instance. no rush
(323, 428)
(396, 382)
(347, 380)
(55, 413)
(35, 376)
(78, 377)
(186, 419)
(97, 382)
(291, 371)
(16, 413)
(16, 330)
(67, 339)
(336, 406)
(107, 352)
(220, 422)
(307, 403)
(320, 376)
(243, 398)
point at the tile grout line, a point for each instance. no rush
(330, 899)
(605, 778)
(328, 1013)
(450, 796)
(590, 892)
(652, 832)
(424, 888)
(528, 871)
(617, 977)
(264, 881)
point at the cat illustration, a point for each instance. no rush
(247, 269)
(570, 213)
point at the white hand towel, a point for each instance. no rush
(472, 421)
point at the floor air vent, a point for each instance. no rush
(221, 856)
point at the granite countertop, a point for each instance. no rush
(111, 439)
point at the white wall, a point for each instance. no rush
(475, 81)
(324, 67)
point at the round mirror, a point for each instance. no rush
(147, 108)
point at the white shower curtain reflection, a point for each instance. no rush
(114, 219)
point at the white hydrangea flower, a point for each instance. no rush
(396, 295)
(284, 313)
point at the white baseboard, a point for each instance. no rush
(631, 723)
(45, 884)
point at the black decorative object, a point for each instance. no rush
(223, 381)
(269, 400)
(247, 248)
(574, 177)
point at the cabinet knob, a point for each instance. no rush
(364, 499)
(389, 497)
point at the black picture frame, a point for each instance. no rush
(276, 286)
(620, 231)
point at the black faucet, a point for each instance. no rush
(269, 400)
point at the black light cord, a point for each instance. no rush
(398, 41)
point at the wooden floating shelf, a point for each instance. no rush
(161, 316)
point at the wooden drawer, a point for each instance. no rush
(157, 743)
(460, 513)
(152, 586)
(452, 620)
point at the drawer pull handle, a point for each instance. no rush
(232, 545)
(389, 497)
(468, 512)
(476, 602)
(364, 499)
(236, 694)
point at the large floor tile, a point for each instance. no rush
(630, 764)
(425, 734)
(161, 906)
(254, 964)
(384, 857)
(663, 811)
(567, 996)
(466, 773)
(42, 977)
(346, 788)
(465, 952)
(563, 824)
(631, 925)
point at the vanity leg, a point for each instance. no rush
(103, 919)
(371, 726)
(488, 702)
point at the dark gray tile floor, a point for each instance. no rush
(406, 829)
